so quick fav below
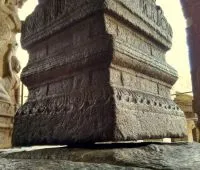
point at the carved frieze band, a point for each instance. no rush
(90, 53)
(151, 13)
(57, 14)
(82, 100)
(6, 109)
(68, 61)
(133, 14)
(144, 101)
(146, 65)
(96, 48)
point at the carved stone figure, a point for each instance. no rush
(97, 72)
(9, 97)
(10, 25)
(10, 84)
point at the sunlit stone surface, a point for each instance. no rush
(10, 25)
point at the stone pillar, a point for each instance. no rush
(191, 9)
(10, 25)
(96, 73)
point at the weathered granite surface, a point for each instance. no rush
(118, 156)
(97, 72)
(10, 25)
(6, 124)
(18, 164)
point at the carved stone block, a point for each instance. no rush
(6, 124)
(97, 72)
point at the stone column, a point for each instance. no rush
(191, 10)
(96, 73)
(10, 25)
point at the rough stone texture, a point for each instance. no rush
(131, 156)
(10, 25)
(9, 102)
(6, 124)
(97, 72)
(55, 165)
(184, 101)
(191, 11)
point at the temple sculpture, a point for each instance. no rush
(184, 101)
(97, 72)
(10, 25)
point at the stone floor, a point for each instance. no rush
(6, 164)
(104, 156)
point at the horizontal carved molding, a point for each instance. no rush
(96, 51)
(57, 15)
(83, 99)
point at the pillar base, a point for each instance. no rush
(96, 73)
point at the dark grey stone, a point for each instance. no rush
(96, 73)
(18, 164)
(145, 155)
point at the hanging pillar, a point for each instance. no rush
(97, 72)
